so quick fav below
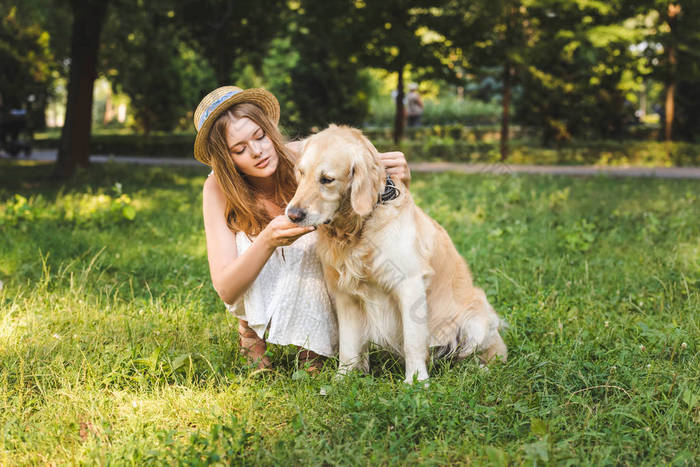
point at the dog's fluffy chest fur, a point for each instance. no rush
(369, 271)
(358, 263)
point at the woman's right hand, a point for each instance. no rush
(283, 232)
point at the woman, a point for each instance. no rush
(257, 257)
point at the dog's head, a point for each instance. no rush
(337, 166)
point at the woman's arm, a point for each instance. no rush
(232, 274)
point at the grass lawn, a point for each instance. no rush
(114, 348)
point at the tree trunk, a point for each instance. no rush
(74, 148)
(509, 38)
(670, 93)
(399, 118)
(505, 117)
(673, 12)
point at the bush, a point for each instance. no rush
(603, 153)
(153, 145)
(440, 112)
(470, 133)
(614, 153)
(452, 143)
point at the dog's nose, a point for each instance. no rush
(295, 214)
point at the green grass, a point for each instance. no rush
(114, 347)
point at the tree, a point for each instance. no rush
(489, 37)
(326, 84)
(227, 33)
(687, 115)
(672, 58)
(577, 59)
(511, 37)
(74, 146)
(676, 64)
(671, 48)
(335, 40)
(145, 57)
(397, 34)
(28, 64)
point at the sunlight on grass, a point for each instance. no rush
(688, 256)
(13, 328)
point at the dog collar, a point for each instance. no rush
(390, 191)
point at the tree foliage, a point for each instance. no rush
(27, 64)
(574, 68)
(227, 33)
(144, 56)
(487, 38)
(326, 84)
(74, 146)
(398, 35)
(676, 62)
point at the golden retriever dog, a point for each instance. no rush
(394, 274)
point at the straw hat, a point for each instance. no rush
(221, 99)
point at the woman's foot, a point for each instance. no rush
(252, 346)
(310, 361)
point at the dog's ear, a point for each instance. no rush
(367, 178)
(297, 148)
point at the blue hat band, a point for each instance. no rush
(213, 106)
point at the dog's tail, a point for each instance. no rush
(492, 345)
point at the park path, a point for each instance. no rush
(495, 168)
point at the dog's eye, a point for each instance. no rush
(326, 180)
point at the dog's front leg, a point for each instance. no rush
(352, 335)
(416, 333)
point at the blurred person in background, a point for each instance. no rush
(414, 105)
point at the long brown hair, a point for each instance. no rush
(244, 212)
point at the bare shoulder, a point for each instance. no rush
(214, 210)
(211, 183)
(212, 190)
(213, 202)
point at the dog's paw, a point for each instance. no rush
(418, 383)
(417, 378)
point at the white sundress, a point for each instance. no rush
(289, 299)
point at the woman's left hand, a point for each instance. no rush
(396, 166)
